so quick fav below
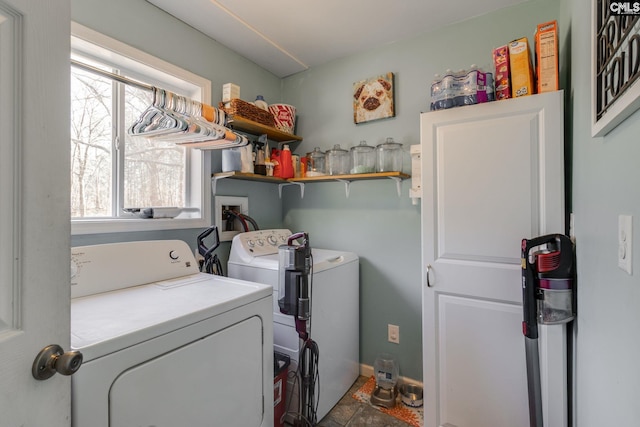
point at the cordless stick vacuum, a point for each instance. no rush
(547, 298)
(294, 298)
(293, 281)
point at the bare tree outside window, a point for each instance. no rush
(91, 145)
(153, 172)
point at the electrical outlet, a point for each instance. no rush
(625, 242)
(394, 333)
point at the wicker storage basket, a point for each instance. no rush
(238, 107)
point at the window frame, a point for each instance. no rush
(199, 181)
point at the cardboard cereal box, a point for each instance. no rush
(547, 57)
(521, 68)
(502, 80)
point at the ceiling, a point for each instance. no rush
(289, 36)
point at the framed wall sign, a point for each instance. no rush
(615, 63)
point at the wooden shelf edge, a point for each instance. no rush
(249, 177)
(352, 177)
(249, 126)
(321, 178)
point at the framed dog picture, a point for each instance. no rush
(373, 99)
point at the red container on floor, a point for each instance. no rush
(280, 369)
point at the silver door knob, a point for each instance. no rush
(52, 359)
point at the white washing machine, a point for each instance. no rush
(334, 312)
(165, 345)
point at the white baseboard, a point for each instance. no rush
(367, 371)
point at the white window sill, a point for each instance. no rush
(99, 226)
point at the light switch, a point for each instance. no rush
(625, 242)
(394, 333)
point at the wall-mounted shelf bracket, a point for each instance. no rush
(299, 184)
(214, 181)
(398, 184)
(243, 176)
(347, 185)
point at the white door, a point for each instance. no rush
(34, 207)
(492, 175)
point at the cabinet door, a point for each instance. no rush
(492, 175)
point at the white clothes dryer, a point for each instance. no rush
(335, 309)
(166, 345)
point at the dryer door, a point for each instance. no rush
(216, 380)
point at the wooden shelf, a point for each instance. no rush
(353, 177)
(321, 178)
(255, 128)
(249, 177)
(346, 179)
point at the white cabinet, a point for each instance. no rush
(492, 174)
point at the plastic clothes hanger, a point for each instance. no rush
(178, 119)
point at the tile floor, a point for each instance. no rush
(351, 413)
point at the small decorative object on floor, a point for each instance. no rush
(411, 416)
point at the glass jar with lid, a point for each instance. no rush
(389, 156)
(363, 158)
(315, 162)
(337, 161)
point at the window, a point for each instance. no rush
(113, 173)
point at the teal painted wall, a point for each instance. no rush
(382, 228)
(148, 28)
(373, 222)
(605, 185)
(145, 27)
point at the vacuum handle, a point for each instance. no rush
(202, 249)
(297, 236)
(529, 305)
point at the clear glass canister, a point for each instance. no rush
(389, 156)
(315, 162)
(337, 161)
(363, 158)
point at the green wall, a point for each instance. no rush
(605, 185)
(145, 27)
(382, 228)
(373, 222)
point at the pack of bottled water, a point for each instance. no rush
(464, 87)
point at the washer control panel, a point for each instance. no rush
(259, 243)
